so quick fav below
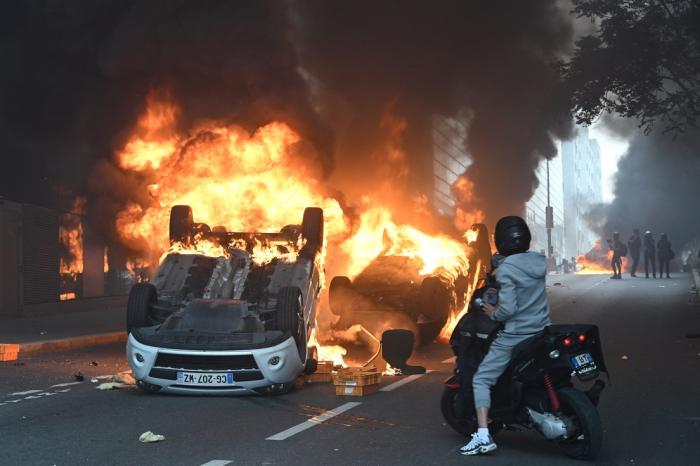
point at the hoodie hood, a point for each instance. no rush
(530, 263)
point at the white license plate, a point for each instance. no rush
(204, 379)
(582, 360)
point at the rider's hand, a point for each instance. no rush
(489, 309)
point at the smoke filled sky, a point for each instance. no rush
(81, 72)
(656, 187)
(612, 148)
(360, 81)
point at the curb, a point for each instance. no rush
(61, 344)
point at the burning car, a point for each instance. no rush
(234, 319)
(394, 292)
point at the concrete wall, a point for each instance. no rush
(10, 258)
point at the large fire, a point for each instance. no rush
(256, 181)
(231, 178)
(595, 261)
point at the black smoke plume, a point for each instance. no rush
(76, 75)
(490, 60)
(657, 187)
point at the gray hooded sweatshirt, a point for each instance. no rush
(522, 299)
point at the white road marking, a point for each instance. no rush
(450, 360)
(217, 463)
(314, 421)
(402, 382)
(36, 394)
(28, 392)
(67, 384)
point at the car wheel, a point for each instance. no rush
(142, 297)
(434, 299)
(312, 230)
(339, 294)
(181, 224)
(290, 318)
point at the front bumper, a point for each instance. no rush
(251, 369)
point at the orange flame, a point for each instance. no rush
(241, 181)
(596, 261)
(70, 233)
(66, 296)
(246, 181)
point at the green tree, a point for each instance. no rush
(642, 61)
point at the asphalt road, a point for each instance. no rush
(651, 411)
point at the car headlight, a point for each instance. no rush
(138, 358)
(554, 354)
(274, 361)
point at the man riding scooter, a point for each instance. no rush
(521, 304)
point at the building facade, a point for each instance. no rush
(575, 186)
(570, 184)
(450, 160)
(549, 192)
(582, 190)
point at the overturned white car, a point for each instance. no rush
(227, 324)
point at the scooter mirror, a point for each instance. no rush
(397, 347)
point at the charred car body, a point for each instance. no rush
(232, 323)
(392, 291)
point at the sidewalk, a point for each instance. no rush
(58, 332)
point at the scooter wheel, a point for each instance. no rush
(449, 405)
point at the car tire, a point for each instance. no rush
(181, 224)
(339, 294)
(289, 316)
(312, 230)
(142, 297)
(434, 299)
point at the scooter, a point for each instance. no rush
(536, 389)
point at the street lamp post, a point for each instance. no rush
(549, 224)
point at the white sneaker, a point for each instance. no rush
(478, 445)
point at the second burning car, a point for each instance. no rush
(392, 292)
(233, 322)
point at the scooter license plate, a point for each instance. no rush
(583, 360)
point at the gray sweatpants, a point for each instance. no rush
(493, 365)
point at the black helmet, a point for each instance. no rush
(512, 235)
